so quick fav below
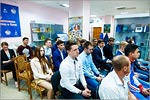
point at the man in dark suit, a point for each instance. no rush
(81, 45)
(108, 49)
(58, 55)
(54, 47)
(98, 57)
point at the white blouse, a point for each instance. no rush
(37, 70)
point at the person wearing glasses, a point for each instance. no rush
(91, 73)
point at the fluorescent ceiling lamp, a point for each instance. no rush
(65, 5)
(92, 15)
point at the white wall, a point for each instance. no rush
(100, 21)
(29, 11)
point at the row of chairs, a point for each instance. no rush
(24, 73)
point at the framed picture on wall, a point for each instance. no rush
(107, 28)
(75, 28)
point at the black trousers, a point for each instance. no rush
(10, 66)
(69, 95)
(107, 66)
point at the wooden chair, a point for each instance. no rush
(21, 71)
(4, 72)
(32, 83)
(51, 63)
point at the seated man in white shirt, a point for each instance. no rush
(114, 85)
(72, 81)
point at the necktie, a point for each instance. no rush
(75, 68)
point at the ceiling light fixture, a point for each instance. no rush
(125, 8)
(64, 5)
(121, 8)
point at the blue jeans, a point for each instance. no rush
(92, 82)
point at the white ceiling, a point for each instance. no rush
(104, 7)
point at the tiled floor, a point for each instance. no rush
(11, 92)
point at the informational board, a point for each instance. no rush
(9, 21)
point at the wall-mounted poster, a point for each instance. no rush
(75, 28)
(9, 21)
(106, 28)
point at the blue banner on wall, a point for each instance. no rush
(9, 21)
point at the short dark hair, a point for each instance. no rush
(47, 40)
(82, 41)
(56, 38)
(130, 41)
(100, 40)
(69, 44)
(4, 43)
(25, 38)
(59, 42)
(119, 62)
(86, 44)
(130, 48)
(111, 39)
(94, 39)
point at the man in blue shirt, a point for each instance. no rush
(91, 73)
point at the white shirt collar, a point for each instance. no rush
(70, 59)
(117, 79)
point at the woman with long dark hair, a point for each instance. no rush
(42, 71)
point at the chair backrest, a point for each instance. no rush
(55, 80)
(30, 73)
(19, 62)
(51, 62)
